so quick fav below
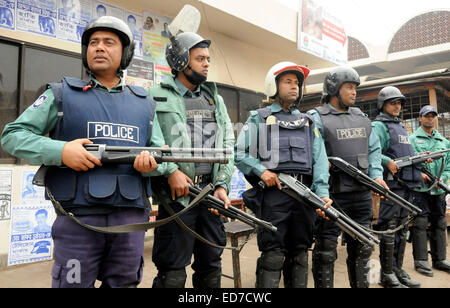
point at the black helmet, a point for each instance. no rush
(115, 25)
(335, 79)
(177, 50)
(389, 93)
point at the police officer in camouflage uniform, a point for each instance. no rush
(431, 199)
(277, 139)
(347, 133)
(192, 114)
(394, 141)
(75, 112)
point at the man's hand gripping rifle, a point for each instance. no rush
(423, 158)
(126, 155)
(302, 193)
(365, 180)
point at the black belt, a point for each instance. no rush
(202, 178)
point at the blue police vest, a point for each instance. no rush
(400, 146)
(286, 143)
(122, 119)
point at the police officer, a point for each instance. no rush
(394, 141)
(192, 114)
(276, 139)
(430, 199)
(75, 112)
(348, 135)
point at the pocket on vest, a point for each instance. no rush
(298, 149)
(283, 149)
(105, 189)
(363, 162)
(62, 183)
(130, 186)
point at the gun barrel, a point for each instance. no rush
(371, 184)
(113, 158)
(299, 191)
(124, 149)
(420, 158)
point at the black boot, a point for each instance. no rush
(299, 276)
(323, 258)
(399, 255)
(438, 244)
(420, 246)
(170, 279)
(358, 264)
(268, 269)
(207, 280)
(388, 279)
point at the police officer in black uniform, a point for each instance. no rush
(348, 135)
(192, 114)
(279, 138)
(395, 143)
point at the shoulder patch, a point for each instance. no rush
(39, 101)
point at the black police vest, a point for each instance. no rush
(400, 146)
(201, 121)
(119, 119)
(286, 141)
(346, 135)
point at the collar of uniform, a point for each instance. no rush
(183, 90)
(275, 108)
(338, 111)
(390, 117)
(421, 133)
(118, 88)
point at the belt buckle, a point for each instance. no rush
(200, 178)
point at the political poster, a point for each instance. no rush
(134, 21)
(321, 34)
(30, 232)
(73, 17)
(155, 38)
(37, 16)
(102, 8)
(7, 14)
(5, 193)
(140, 73)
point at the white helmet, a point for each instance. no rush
(275, 72)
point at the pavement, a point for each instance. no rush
(37, 275)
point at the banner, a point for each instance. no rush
(321, 34)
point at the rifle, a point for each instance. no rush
(231, 212)
(436, 180)
(417, 159)
(302, 193)
(420, 158)
(126, 155)
(365, 180)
